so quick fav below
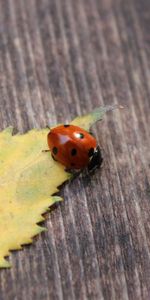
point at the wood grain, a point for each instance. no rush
(59, 59)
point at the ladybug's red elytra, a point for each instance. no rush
(74, 147)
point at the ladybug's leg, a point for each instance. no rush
(51, 154)
(54, 157)
(96, 160)
(46, 150)
(73, 171)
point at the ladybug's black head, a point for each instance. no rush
(96, 160)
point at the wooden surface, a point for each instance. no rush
(58, 59)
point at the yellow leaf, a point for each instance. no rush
(28, 179)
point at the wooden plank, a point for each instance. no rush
(63, 58)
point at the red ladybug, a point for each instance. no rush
(74, 147)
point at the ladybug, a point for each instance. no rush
(74, 147)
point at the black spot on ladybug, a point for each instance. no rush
(55, 150)
(73, 152)
(81, 135)
(72, 165)
(54, 157)
(66, 125)
(91, 152)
